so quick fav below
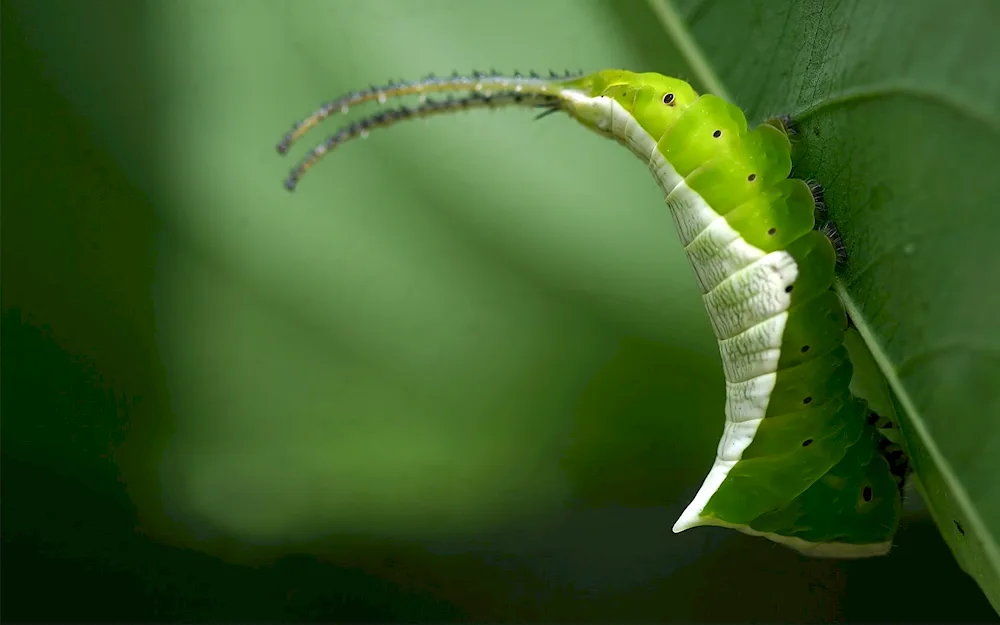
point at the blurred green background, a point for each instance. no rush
(463, 373)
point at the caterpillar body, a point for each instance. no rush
(802, 461)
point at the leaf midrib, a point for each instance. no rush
(677, 30)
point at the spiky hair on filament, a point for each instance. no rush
(478, 90)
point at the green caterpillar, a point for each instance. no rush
(802, 461)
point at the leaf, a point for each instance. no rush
(899, 110)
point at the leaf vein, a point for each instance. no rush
(884, 90)
(932, 352)
(917, 423)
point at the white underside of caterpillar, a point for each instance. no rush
(744, 292)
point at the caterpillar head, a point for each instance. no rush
(654, 101)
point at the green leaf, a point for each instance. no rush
(899, 110)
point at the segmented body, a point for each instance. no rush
(799, 461)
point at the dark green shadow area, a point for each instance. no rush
(80, 372)
(71, 551)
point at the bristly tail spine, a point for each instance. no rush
(483, 90)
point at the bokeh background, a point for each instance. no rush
(462, 373)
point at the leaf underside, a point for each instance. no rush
(901, 133)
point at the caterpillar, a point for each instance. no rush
(802, 461)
